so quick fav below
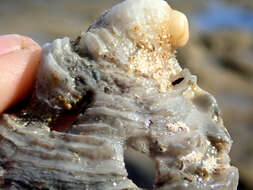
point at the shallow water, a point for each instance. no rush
(223, 16)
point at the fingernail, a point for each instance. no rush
(28, 43)
(10, 43)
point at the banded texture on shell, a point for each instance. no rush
(121, 81)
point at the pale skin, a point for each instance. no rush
(19, 61)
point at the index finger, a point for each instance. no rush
(19, 60)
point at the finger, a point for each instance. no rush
(9, 43)
(19, 60)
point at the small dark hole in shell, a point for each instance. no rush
(150, 122)
(160, 183)
(75, 43)
(141, 173)
(107, 90)
(178, 81)
(66, 120)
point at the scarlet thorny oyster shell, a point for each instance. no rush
(122, 82)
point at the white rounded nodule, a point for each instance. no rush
(179, 29)
(153, 17)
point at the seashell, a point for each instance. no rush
(122, 86)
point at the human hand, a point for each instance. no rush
(19, 61)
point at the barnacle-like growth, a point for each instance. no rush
(123, 87)
(141, 37)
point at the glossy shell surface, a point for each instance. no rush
(123, 86)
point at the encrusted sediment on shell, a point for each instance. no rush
(141, 37)
(122, 83)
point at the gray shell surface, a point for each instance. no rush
(109, 79)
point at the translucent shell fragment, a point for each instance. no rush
(122, 86)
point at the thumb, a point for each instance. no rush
(19, 60)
